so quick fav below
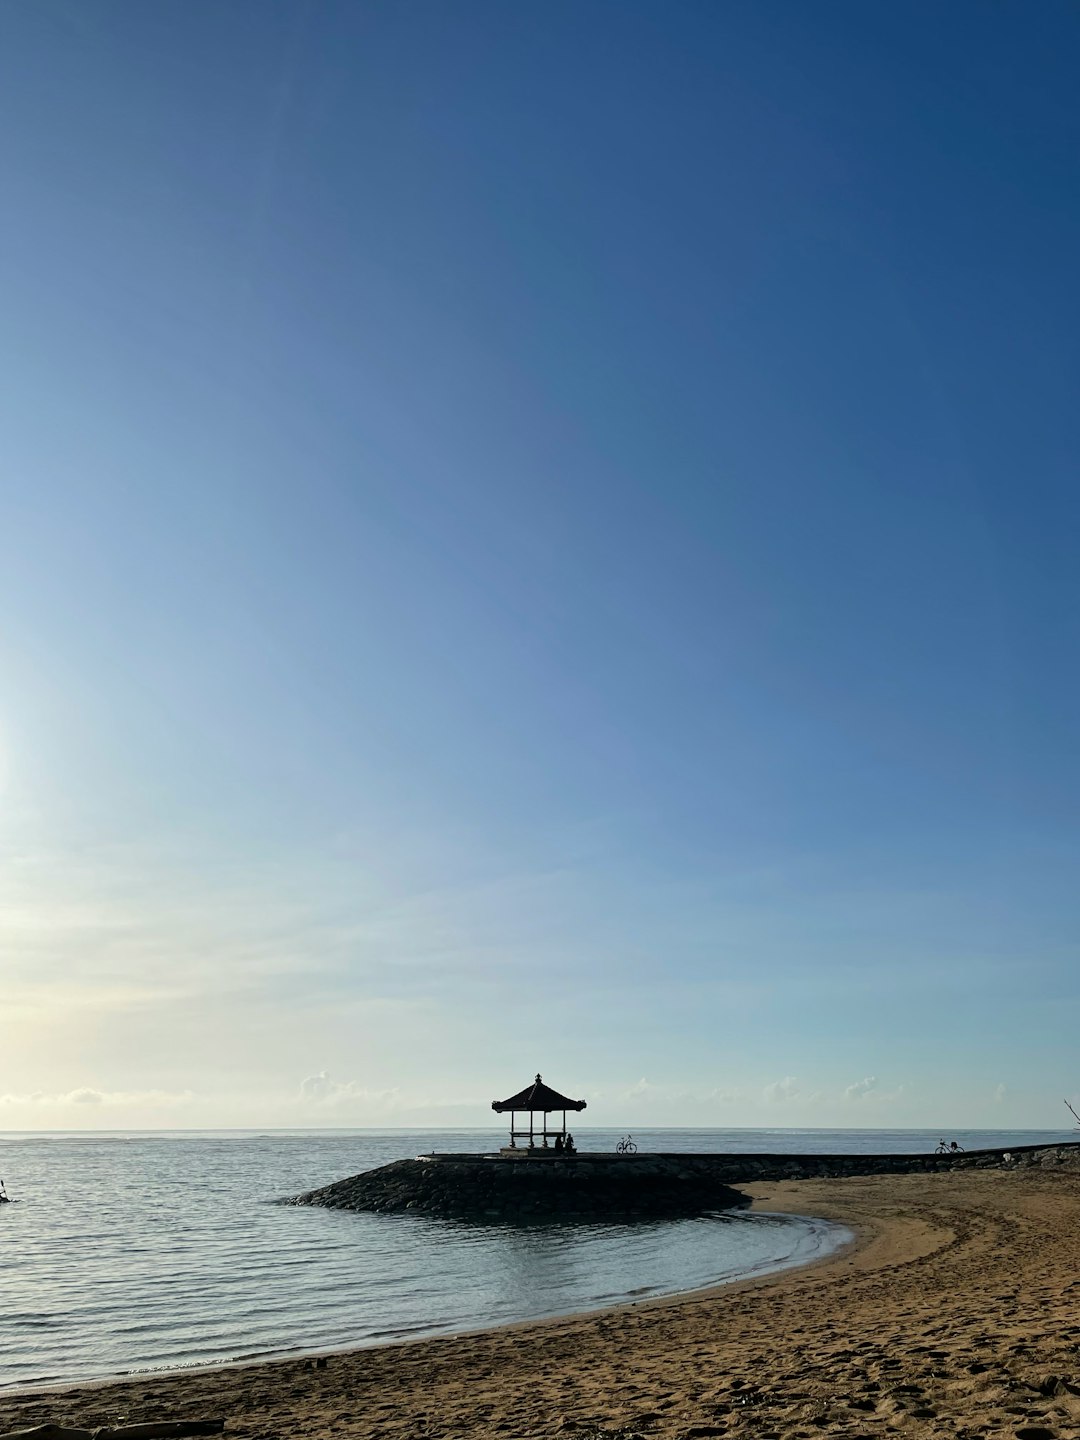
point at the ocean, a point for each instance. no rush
(128, 1253)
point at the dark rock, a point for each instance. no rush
(474, 1187)
(603, 1186)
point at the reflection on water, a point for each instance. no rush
(134, 1252)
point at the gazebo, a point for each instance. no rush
(537, 1099)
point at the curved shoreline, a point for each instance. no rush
(813, 1229)
(954, 1301)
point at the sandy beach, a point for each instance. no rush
(957, 1311)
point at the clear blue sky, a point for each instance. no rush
(539, 536)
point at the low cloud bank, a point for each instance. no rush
(87, 1095)
(322, 1089)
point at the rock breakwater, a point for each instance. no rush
(608, 1187)
(476, 1187)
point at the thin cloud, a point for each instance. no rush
(322, 1089)
(87, 1095)
(783, 1092)
(869, 1088)
(649, 1092)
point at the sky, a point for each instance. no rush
(539, 537)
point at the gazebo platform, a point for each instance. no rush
(522, 1152)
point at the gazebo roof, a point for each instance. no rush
(537, 1096)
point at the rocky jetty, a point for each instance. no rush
(744, 1169)
(609, 1187)
(491, 1188)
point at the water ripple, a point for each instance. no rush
(130, 1253)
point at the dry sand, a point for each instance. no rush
(956, 1313)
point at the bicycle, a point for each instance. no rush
(952, 1148)
(626, 1146)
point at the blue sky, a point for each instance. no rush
(539, 537)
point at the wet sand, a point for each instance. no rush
(957, 1312)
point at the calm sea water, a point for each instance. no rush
(133, 1252)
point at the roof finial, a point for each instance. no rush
(538, 1077)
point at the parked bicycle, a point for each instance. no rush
(626, 1146)
(948, 1148)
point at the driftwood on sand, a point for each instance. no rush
(154, 1430)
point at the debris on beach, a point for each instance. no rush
(151, 1430)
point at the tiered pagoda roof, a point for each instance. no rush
(537, 1097)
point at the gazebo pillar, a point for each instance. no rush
(537, 1099)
